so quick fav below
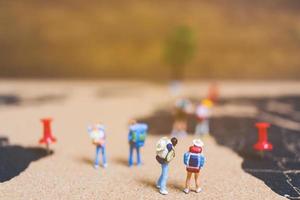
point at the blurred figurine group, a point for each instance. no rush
(184, 108)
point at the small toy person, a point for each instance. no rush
(181, 110)
(165, 152)
(97, 134)
(136, 138)
(203, 113)
(194, 161)
(213, 93)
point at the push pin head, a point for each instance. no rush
(262, 144)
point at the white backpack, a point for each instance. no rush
(162, 150)
(97, 134)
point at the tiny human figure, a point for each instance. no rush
(98, 136)
(165, 152)
(213, 92)
(181, 110)
(203, 113)
(194, 161)
(175, 87)
(136, 138)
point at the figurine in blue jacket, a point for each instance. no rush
(136, 138)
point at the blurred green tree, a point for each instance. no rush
(180, 48)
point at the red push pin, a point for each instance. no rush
(47, 136)
(262, 143)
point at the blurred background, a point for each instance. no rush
(137, 39)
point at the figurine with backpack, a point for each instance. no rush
(136, 138)
(203, 114)
(182, 108)
(165, 152)
(97, 134)
(194, 161)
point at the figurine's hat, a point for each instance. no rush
(100, 127)
(198, 143)
(207, 102)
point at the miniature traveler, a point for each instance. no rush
(203, 113)
(181, 110)
(213, 93)
(97, 134)
(194, 161)
(136, 138)
(165, 152)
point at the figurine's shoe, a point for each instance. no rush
(104, 165)
(186, 190)
(198, 190)
(96, 166)
(164, 192)
(158, 186)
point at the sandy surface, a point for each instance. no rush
(69, 174)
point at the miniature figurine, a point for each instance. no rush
(175, 88)
(182, 108)
(194, 161)
(136, 138)
(98, 136)
(47, 134)
(165, 152)
(203, 113)
(213, 93)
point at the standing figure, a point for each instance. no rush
(181, 110)
(97, 134)
(203, 113)
(136, 138)
(165, 152)
(194, 161)
(213, 92)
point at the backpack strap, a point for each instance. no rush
(188, 158)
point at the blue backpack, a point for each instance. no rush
(193, 160)
(138, 134)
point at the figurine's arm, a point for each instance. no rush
(169, 147)
(129, 136)
(89, 129)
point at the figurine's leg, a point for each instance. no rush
(202, 128)
(184, 125)
(165, 170)
(188, 181)
(97, 156)
(198, 129)
(130, 160)
(175, 129)
(104, 156)
(197, 182)
(207, 126)
(138, 155)
(158, 184)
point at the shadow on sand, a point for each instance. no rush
(121, 161)
(86, 160)
(17, 100)
(278, 169)
(15, 159)
(147, 183)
